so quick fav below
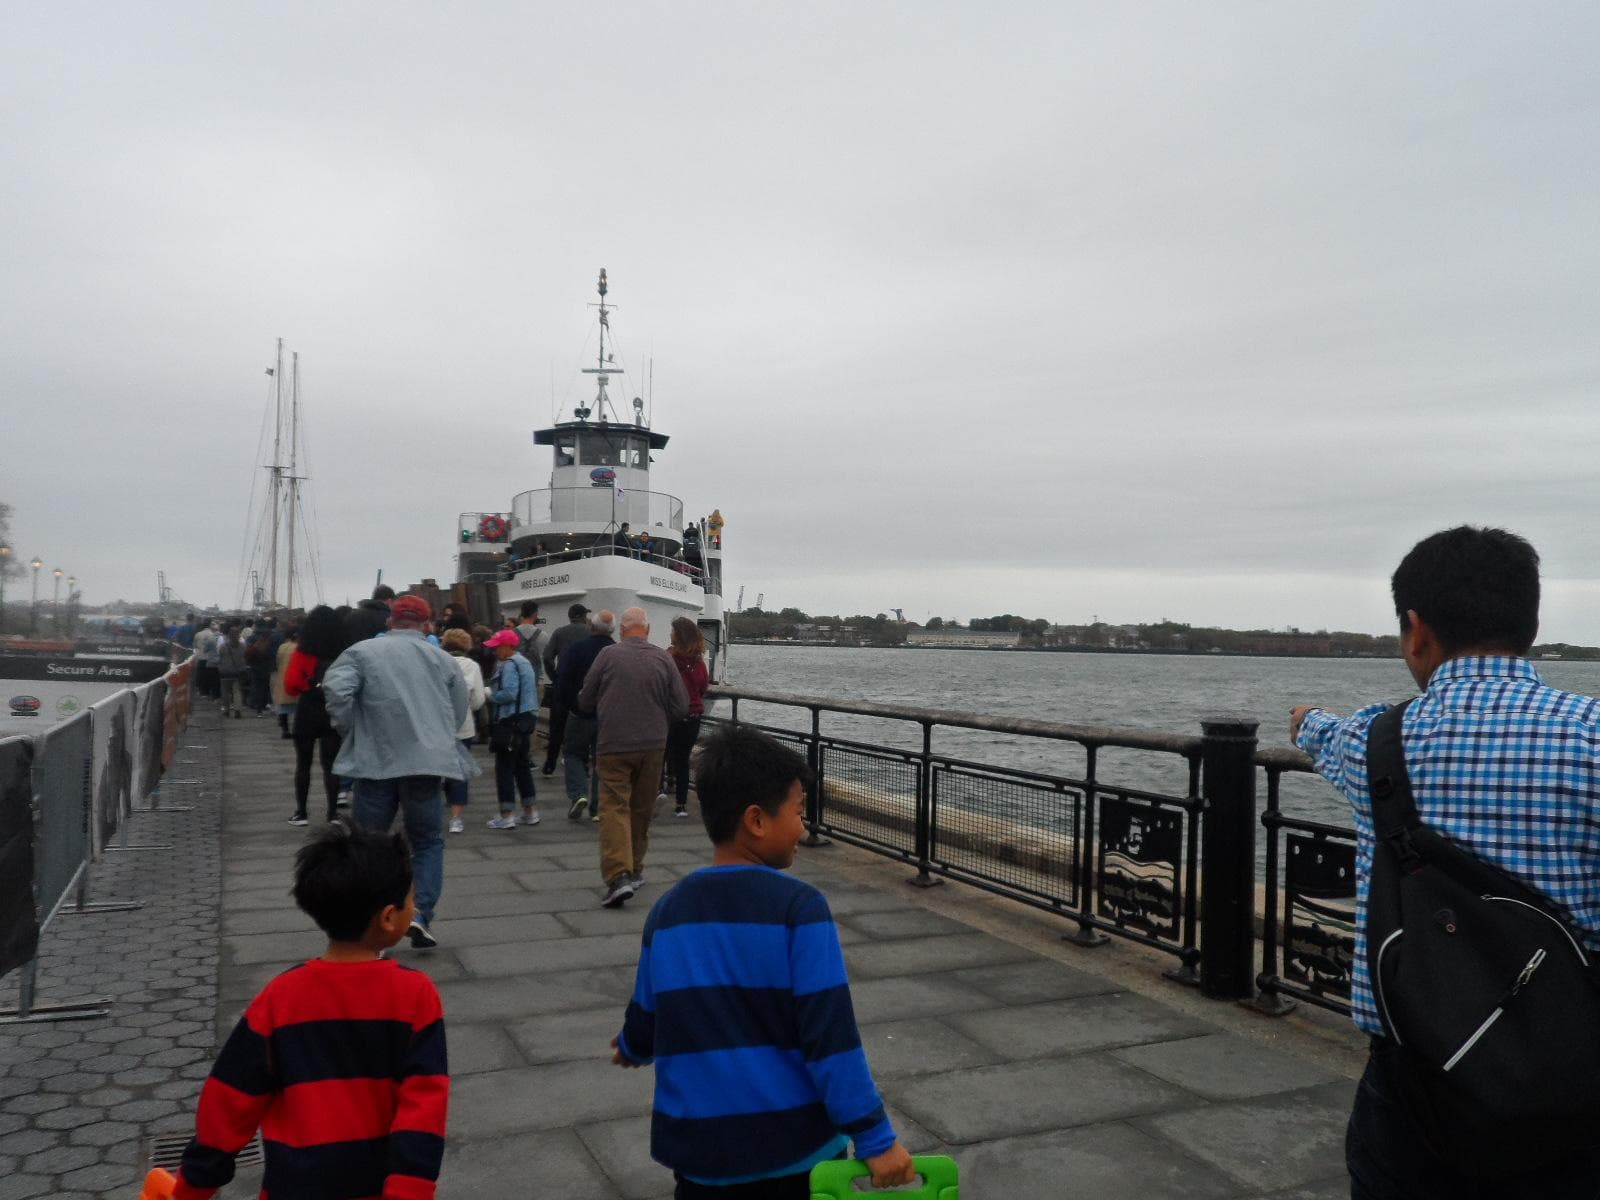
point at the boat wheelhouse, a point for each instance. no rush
(598, 535)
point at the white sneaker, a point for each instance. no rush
(575, 809)
(501, 823)
(529, 818)
(457, 825)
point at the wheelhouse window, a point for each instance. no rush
(602, 449)
(566, 450)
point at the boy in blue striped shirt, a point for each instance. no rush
(741, 1001)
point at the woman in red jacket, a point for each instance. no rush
(322, 639)
(688, 653)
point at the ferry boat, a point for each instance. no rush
(598, 535)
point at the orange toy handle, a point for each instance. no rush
(159, 1185)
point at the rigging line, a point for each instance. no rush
(245, 557)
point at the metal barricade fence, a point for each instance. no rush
(83, 780)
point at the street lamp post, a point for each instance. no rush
(5, 561)
(72, 590)
(33, 611)
(55, 600)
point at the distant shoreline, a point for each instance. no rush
(1127, 650)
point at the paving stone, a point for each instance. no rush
(995, 1102)
(32, 1141)
(521, 958)
(1269, 1142)
(100, 1177)
(1107, 1162)
(18, 1187)
(483, 1047)
(1034, 982)
(903, 923)
(898, 997)
(569, 1036)
(475, 1169)
(547, 1097)
(911, 956)
(61, 1158)
(36, 1102)
(920, 1047)
(1223, 1066)
(1069, 1026)
(104, 1133)
(622, 1148)
(508, 998)
(484, 931)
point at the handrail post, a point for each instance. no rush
(1084, 858)
(924, 834)
(814, 797)
(1273, 1003)
(1227, 898)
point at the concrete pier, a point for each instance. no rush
(1047, 1071)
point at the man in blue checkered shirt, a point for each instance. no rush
(1499, 762)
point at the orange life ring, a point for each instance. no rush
(493, 528)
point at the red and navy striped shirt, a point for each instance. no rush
(342, 1067)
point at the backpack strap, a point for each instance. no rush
(1394, 808)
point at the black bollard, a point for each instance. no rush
(1227, 885)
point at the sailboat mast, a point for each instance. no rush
(277, 473)
(294, 473)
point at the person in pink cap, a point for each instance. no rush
(514, 694)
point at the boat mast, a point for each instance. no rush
(294, 475)
(277, 473)
(600, 370)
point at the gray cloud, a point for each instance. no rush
(1175, 311)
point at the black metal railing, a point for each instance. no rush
(1169, 869)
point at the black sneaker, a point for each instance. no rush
(548, 769)
(421, 939)
(621, 889)
(298, 819)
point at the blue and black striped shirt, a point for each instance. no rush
(742, 1003)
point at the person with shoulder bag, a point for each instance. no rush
(1477, 811)
(323, 638)
(515, 699)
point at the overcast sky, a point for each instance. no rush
(1201, 311)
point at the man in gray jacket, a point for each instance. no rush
(636, 692)
(398, 701)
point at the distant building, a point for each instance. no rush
(954, 638)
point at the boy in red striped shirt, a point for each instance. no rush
(340, 1062)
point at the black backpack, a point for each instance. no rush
(1483, 983)
(311, 711)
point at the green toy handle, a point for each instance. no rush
(940, 1179)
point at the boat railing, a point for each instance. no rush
(1146, 836)
(516, 565)
(586, 505)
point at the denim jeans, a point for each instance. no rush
(513, 774)
(1389, 1159)
(455, 790)
(417, 799)
(681, 737)
(577, 753)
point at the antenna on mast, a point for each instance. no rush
(602, 370)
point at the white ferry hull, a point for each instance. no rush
(609, 582)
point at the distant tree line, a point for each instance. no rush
(1164, 636)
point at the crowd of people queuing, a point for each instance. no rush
(386, 701)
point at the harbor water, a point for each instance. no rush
(1170, 693)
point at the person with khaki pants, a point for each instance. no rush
(635, 691)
